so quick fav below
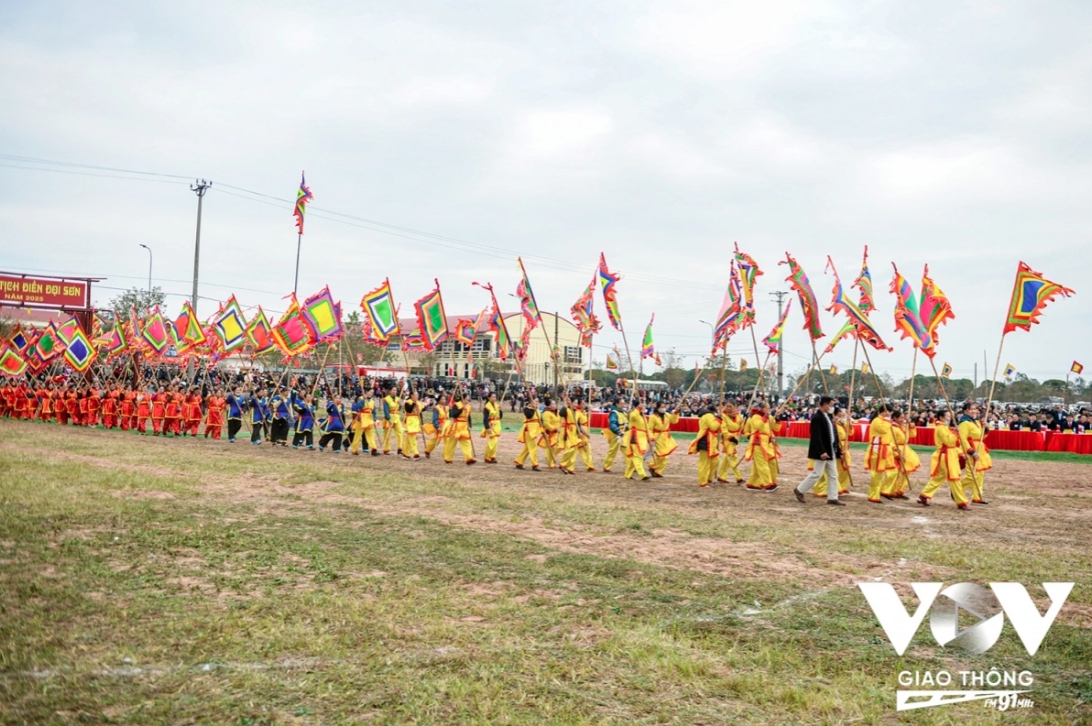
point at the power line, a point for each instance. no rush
(363, 222)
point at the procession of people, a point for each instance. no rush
(394, 417)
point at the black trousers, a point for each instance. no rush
(334, 436)
(233, 426)
(280, 430)
(302, 436)
(256, 433)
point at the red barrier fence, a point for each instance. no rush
(1000, 440)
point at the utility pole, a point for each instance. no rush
(780, 295)
(200, 186)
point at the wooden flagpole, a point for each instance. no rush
(943, 392)
(993, 384)
(822, 378)
(762, 370)
(852, 378)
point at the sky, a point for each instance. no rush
(443, 140)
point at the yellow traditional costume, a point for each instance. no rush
(881, 456)
(439, 430)
(528, 436)
(944, 468)
(899, 479)
(491, 430)
(707, 446)
(663, 445)
(459, 433)
(569, 440)
(392, 422)
(413, 430)
(731, 428)
(551, 436)
(585, 440)
(761, 452)
(635, 445)
(363, 428)
(974, 477)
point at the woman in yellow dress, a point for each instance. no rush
(491, 428)
(881, 458)
(972, 434)
(413, 427)
(945, 467)
(585, 438)
(529, 434)
(635, 442)
(731, 428)
(761, 450)
(460, 431)
(706, 445)
(898, 480)
(659, 424)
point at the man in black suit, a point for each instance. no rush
(824, 451)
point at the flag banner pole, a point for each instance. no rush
(800, 382)
(852, 378)
(883, 398)
(943, 392)
(913, 374)
(822, 378)
(993, 384)
(754, 392)
(754, 339)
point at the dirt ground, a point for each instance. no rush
(1041, 503)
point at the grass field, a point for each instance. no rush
(145, 580)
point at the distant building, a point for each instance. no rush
(455, 359)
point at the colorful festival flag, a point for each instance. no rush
(78, 352)
(612, 364)
(798, 280)
(379, 306)
(731, 309)
(189, 327)
(908, 321)
(1010, 371)
(414, 343)
(742, 364)
(833, 370)
(1030, 294)
(293, 334)
(840, 302)
(115, 342)
(864, 368)
(11, 362)
(935, 308)
(608, 281)
(259, 333)
(303, 196)
(847, 331)
(431, 318)
(648, 348)
(67, 329)
(155, 333)
(584, 316)
(464, 331)
(49, 344)
(1076, 368)
(230, 325)
(773, 340)
(527, 303)
(324, 315)
(864, 284)
(748, 272)
(19, 340)
(946, 371)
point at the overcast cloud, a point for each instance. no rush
(954, 134)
